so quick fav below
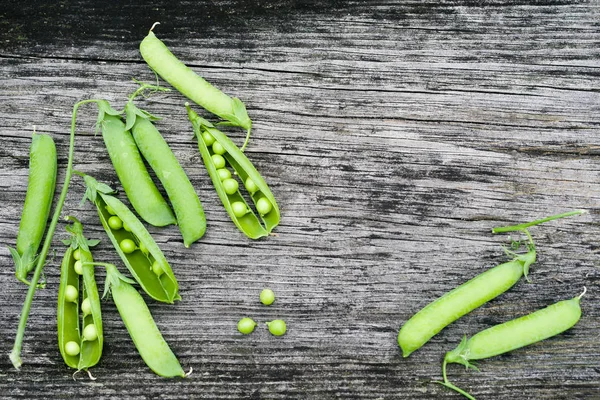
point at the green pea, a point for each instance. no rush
(157, 268)
(143, 248)
(218, 160)
(128, 246)
(110, 211)
(224, 173)
(126, 227)
(71, 293)
(246, 325)
(86, 307)
(230, 186)
(218, 148)
(267, 297)
(263, 206)
(250, 186)
(239, 208)
(72, 348)
(90, 333)
(208, 138)
(277, 327)
(78, 267)
(77, 254)
(115, 223)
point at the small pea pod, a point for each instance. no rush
(216, 162)
(134, 244)
(514, 334)
(186, 204)
(81, 348)
(160, 59)
(141, 191)
(146, 336)
(38, 200)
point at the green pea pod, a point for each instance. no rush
(146, 336)
(249, 223)
(146, 263)
(80, 348)
(38, 200)
(164, 63)
(129, 166)
(186, 204)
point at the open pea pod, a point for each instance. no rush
(252, 224)
(79, 318)
(144, 259)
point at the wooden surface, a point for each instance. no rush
(394, 135)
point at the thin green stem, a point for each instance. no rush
(449, 384)
(521, 227)
(247, 139)
(15, 355)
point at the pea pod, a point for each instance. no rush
(129, 166)
(38, 200)
(146, 336)
(186, 204)
(79, 345)
(246, 219)
(144, 260)
(514, 334)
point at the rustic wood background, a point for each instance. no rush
(394, 134)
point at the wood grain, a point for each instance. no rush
(394, 134)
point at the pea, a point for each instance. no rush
(246, 325)
(230, 186)
(143, 248)
(77, 254)
(72, 348)
(267, 297)
(208, 138)
(110, 211)
(239, 208)
(86, 307)
(128, 246)
(218, 160)
(250, 186)
(115, 223)
(157, 268)
(126, 227)
(224, 173)
(78, 267)
(90, 333)
(71, 293)
(277, 327)
(218, 148)
(263, 206)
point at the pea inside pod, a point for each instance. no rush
(79, 319)
(136, 247)
(228, 155)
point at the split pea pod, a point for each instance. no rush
(79, 318)
(186, 204)
(141, 191)
(136, 316)
(134, 244)
(160, 59)
(222, 155)
(514, 334)
(38, 200)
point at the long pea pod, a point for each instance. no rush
(136, 316)
(160, 59)
(245, 219)
(15, 354)
(38, 201)
(141, 191)
(186, 204)
(80, 344)
(146, 262)
(511, 335)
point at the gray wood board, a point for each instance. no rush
(394, 136)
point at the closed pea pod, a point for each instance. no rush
(160, 59)
(163, 287)
(183, 197)
(133, 175)
(80, 346)
(136, 316)
(38, 200)
(514, 334)
(248, 222)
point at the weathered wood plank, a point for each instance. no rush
(394, 136)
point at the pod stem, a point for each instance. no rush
(521, 227)
(15, 355)
(449, 384)
(247, 139)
